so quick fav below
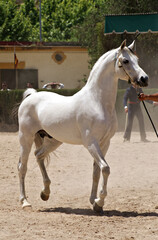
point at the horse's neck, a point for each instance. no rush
(103, 81)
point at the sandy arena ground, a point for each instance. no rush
(131, 207)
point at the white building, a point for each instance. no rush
(42, 63)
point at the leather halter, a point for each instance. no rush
(120, 65)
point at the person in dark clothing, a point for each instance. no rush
(133, 109)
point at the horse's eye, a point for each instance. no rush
(125, 61)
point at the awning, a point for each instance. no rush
(142, 23)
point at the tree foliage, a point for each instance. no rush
(58, 19)
(63, 20)
(91, 32)
(74, 20)
(13, 24)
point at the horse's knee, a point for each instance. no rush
(106, 170)
(22, 167)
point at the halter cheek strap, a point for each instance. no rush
(121, 66)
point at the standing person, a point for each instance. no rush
(133, 108)
(29, 85)
(5, 87)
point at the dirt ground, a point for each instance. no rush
(130, 210)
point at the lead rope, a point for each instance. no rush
(137, 90)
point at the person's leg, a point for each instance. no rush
(127, 134)
(140, 118)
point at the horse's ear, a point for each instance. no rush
(123, 44)
(132, 47)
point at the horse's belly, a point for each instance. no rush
(67, 133)
(71, 139)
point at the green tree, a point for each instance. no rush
(30, 10)
(15, 26)
(134, 6)
(21, 27)
(75, 20)
(60, 16)
(91, 32)
(9, 12)
(3, 13)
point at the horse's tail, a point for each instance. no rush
(28, 92)
(14, 113)
(39, 140)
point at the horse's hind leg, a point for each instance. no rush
(25, 148)
(43, 149)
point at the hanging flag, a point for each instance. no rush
(15, 61)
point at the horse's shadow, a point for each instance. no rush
(109, 213)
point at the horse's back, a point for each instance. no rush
(52, 112)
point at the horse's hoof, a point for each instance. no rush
(26, 205)
(44, 197)
(97, 208)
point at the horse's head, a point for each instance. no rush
(127, 67)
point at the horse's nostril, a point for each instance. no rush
(144, 79)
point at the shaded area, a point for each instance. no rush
(109, 213)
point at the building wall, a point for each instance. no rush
(70, 71)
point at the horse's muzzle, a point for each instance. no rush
(143, 81)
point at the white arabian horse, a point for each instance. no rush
(86, 118)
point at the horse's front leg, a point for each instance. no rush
(98, 156)
(95, 181)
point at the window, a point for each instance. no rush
(58, 57)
